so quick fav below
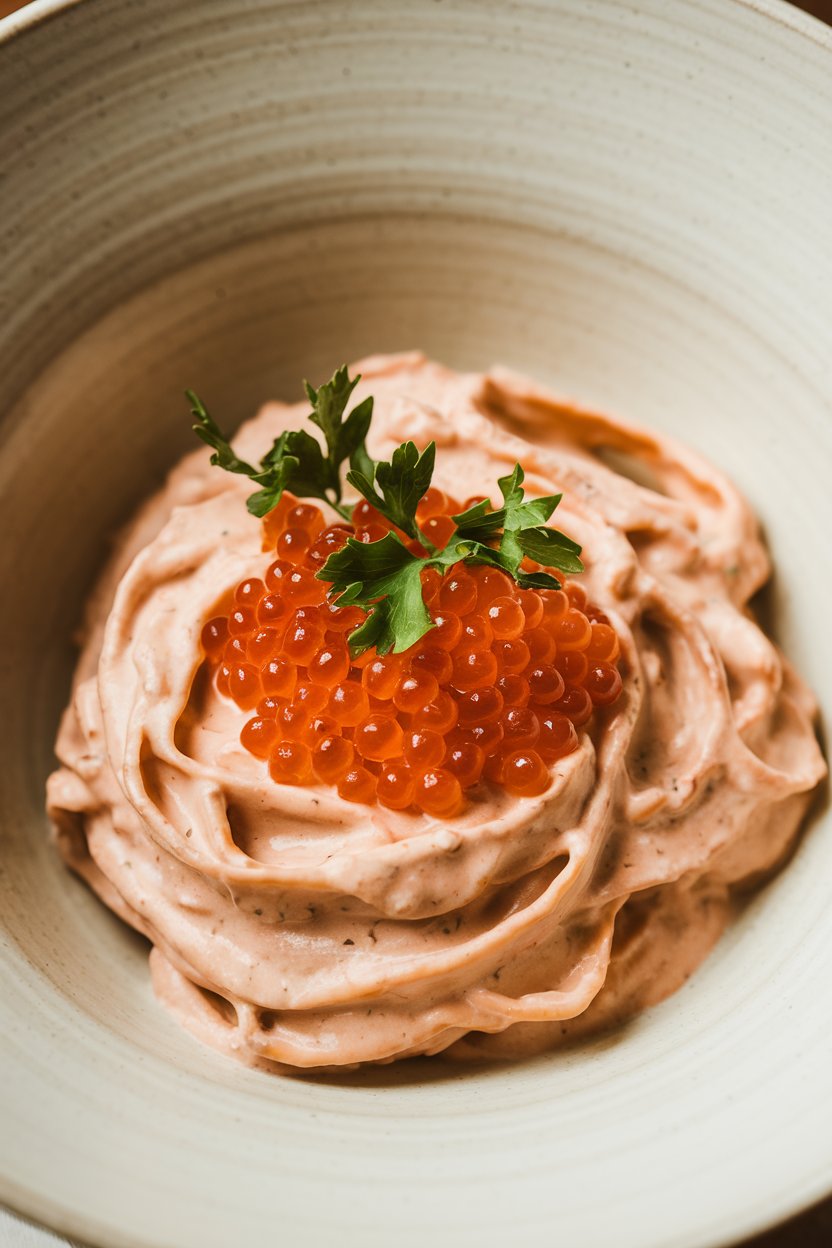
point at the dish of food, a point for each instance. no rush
(628, 204)
(372, 782)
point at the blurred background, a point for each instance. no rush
(812, 1229)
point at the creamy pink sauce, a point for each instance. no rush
(294, 929)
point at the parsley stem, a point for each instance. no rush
(426, 542)
(344, 512)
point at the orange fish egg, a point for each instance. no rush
(531, 604)
(603, 684)
(489, 737)
(337, 619)
(326, 544)
(491, 585)
(576, 594)
(507, 618)
(276, 575)
(603, 645)
(576, 704)
(332, 758)
(381, 675)
(573, 631)
(433, 660)
(395, 786)
(244, 685)
(364, 513)
(545, 684)
(521, 727)
(303, 589)
(262, 644)
(378, 738)
(272, 610)
(304, 516)
(357, 785)
(423, 749)
(330, 664)
(446, 631)
(249, 592)
(480, 706)
(302, 642)
(474, 669)
(241, 621)
(558, 736)
(465, 761)
(259, 735)
(214, 635)
(512, 655)
(291, 722)
(543, 646)
(431, 581)
(477, 633)
(415, 690)
(513, 688)
(458, 593)
(293, 544)
(279, 676)
(291, 763)
(434, 502)
(438, 792)
(440, 715)
(525, 773)
(572, 665)
(311, 696)
(348, 703)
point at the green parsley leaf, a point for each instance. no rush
(525, 531)
(480, 522)
(402, 482)
(356, 427)
(265, 500)
(523, 513)
(385, 578)
(296, 461)
(210, 432)
(345, 439)
(537, 580)
(310, 476)
(551, 548)
(521, 526)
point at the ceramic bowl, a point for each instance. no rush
(630, 202)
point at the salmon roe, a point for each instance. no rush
(495, 693)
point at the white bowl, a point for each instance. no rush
(629, 202)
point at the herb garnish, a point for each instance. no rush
(385, 576)
(296, 460)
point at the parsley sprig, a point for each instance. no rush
(385, 577)
(296, 460)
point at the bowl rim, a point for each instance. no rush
(37, 12)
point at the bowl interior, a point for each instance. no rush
(611, 200)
